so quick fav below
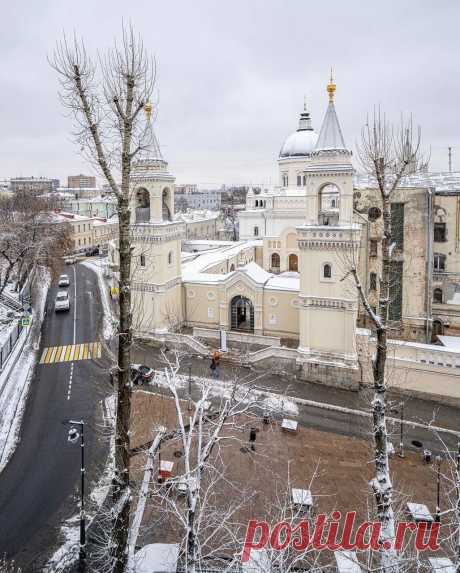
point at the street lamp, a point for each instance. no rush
(401, 427)
(73, 437)
(438, 489)
(190, 386)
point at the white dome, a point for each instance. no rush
(299, 143)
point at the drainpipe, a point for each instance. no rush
(429, 265)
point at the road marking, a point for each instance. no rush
(71, 353)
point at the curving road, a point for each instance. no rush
(39, 486)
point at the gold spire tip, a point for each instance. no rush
(331, 87)
(148, 110)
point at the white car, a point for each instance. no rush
(64, 281)
(62, 301)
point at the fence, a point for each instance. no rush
(8, 345)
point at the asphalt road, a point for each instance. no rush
(415, 409)
(39, 486)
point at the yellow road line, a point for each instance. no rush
(45, 352)
(48, 355)
(85, 352)
(68, 352)
(57, 356)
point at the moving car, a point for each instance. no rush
(62, 301)
(140, 374)
(64, 280)
(70, 260)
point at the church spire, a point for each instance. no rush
(151, 151)
(330, 137)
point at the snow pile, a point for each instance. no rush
(157, 557)
(97, 266)
(15, 380)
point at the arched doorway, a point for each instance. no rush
(293, 263)
(242, 314)
(142, 206)
(438, 328)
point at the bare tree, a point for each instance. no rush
(387, 155)
(105, 98)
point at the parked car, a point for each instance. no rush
(62, 301)
(64, 281)
(70, 260)
(140, 374)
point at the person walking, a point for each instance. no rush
(215, 363)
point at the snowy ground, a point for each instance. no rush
(14, 382)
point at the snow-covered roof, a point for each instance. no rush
(450, 342)
(330, 136)
(299, 144)
(441, 181)
(196, 215)
(285, 281)
(157, 558)
(256, 273)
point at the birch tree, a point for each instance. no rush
(105, 98)
(387, 154)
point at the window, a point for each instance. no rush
(440, 232)
(439, 262)
(397, 225)
(142, 260)
(373, 248)
(373, 281)
(396, 290)
(299, 180)
(285, 180)
(327, 271)
(170, 258)
(304, 180)
(256, 231)
(78, 228)
(275, 262)
(437, 295)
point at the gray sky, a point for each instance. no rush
(232, 77)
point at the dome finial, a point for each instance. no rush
(148, 110)
(331, 87)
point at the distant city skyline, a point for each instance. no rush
(232, 79)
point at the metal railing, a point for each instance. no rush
(8, 346)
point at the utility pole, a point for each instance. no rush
(450, 159)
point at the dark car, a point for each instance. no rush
(140, 374)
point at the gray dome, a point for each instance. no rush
(299, 143)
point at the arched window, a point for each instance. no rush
(142, 206)
(170, 258)
(439, 262)
(438, 328)
(327, 271)
(275, 262)
(299, 180)
(373, 281)
(142, 257)
(166, 205)
(232, 267)
(257, 202)
(437, 295)
(304, 180)
(329, 201)
(256, 231)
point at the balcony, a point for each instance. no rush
(142, 214)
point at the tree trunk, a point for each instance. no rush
(381, 484)
(122, 445)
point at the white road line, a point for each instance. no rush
(69, 391)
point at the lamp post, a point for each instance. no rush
(438, 489)
(401, 431)
(73, 437)
(401, 426)
(190, 386)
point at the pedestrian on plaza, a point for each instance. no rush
(215, 363)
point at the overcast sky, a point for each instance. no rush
(232, 77)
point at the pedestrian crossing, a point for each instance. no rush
(71, 353)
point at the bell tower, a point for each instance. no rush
(156, 240)
(328, 244)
